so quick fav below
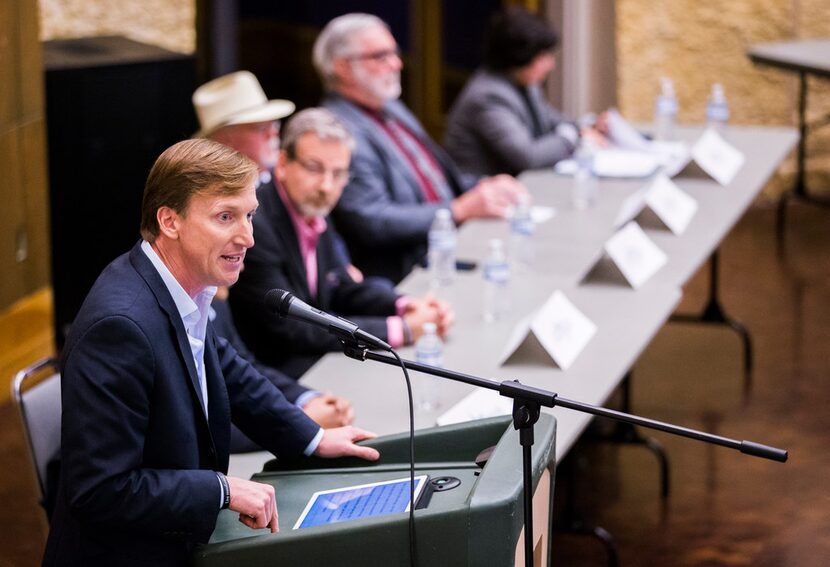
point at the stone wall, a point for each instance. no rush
(168, 23)
(699, 43)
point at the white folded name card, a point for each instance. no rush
(667, 201)
(634, 254)
(717, 157)
(558, 327)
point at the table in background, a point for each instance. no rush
(807, 57)
(567, 247)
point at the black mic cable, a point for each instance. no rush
(286, 305)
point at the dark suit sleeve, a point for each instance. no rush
(498, 126)
(107, 404)
(370, 212)
(260, 410)
(266, 268)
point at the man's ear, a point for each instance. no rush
(342, 69)
(282, 159)
(168, 220)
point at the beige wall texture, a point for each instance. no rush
(699, 43)
(166, 23)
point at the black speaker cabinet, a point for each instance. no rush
(112, 106)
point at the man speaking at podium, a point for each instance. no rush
(149, 390)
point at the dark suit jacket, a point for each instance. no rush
(382, 214)
(138, 485)
(490, 129)
(275, 261)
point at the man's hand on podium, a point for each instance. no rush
(340, 442)
(255, 502)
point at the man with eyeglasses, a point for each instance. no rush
(400, 176)
(233, 110)
(296, 250)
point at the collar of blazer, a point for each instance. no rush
(165, 301)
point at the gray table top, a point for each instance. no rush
(568, 245)
(808, 56)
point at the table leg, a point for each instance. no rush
(800, 187)
(714, 314)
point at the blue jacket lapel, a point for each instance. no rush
(147, 271)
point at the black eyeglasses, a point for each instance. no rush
(377, 56)
(317, 170)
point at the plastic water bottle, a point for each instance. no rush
(442, 242)
(665, 111)
(717, 109)
(522, 227)
(585, 185)
(429, 349)
(496, 282)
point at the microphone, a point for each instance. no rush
(284, 304)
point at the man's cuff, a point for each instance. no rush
(396, 331)
(311, 447)
(569, 132)
(306, 397)
(401, 304)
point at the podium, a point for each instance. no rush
(479, 522)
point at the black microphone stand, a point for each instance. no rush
(527, 402)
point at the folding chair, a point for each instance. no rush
(36, 391)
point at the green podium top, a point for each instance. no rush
(476, 523)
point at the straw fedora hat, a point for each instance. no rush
(237, 98)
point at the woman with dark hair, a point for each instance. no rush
(501, 122)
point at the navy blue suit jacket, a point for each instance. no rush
(275, 261)
(138, 485)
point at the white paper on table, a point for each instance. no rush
(674, 207)
(622, 164)
(717, 157)
(634, 254)
(622, 134)
(538, 213)
(561, 329)
(671, 156)
(541, 214)
(478, 405)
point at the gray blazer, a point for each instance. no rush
(490, 129)
(382, 214)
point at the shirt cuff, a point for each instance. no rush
(395, 331)
(306, 397)
(401, 304)
(311, 447)
(569, 132)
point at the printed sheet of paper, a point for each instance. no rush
(634, 254)
(717, 157)
(479, 404)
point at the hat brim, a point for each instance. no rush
(271, 110)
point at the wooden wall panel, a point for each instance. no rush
(11, 217)
(24, 248)
(8, 64)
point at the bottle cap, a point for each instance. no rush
(443, 214)
(430, 328)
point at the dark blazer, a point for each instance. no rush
(138, 485)
(382, 214)
(490, 129)
(275, 261)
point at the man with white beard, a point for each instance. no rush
(296, 251)
(399, 175)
